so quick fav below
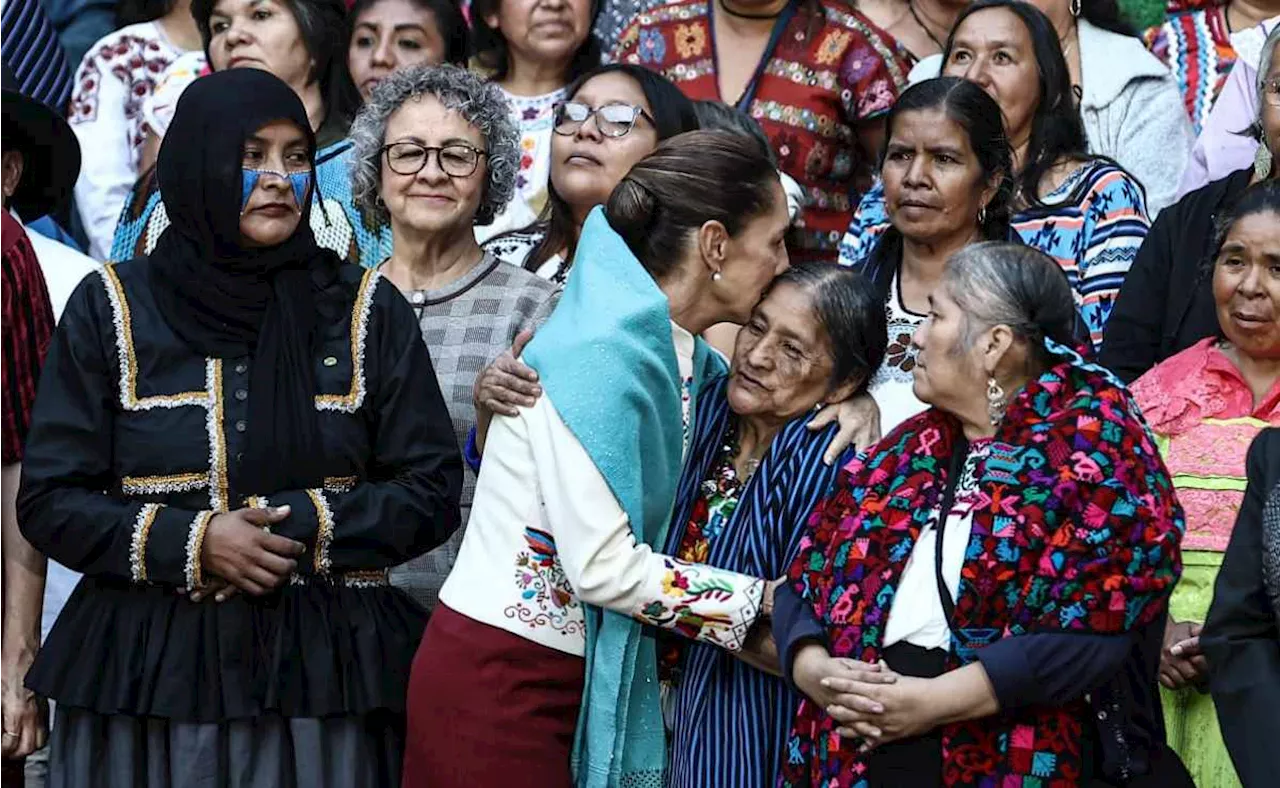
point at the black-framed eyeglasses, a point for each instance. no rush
(457, 159)
(613, 120)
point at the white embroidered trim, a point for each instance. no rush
(156, 485)
(138, 545)
(352, 400)
(195, 541)
(324, 530)
(218, 484)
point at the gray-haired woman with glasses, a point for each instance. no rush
(435, 156)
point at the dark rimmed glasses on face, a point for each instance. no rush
(613, 120)
(455, 160)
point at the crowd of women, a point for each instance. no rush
(629, 394)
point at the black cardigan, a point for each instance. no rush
(1241, 638)
(1166, 303)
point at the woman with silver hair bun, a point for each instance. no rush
(435, 155)
(981, 598)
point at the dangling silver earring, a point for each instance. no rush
(995, 401)
(982, 215)
(717, 276)
(1262, 162)
(1075, 8)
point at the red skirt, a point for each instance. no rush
(489, 708)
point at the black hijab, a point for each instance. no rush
(225, 299)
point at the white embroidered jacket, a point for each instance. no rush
(546, 534)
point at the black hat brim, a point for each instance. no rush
(50, 153)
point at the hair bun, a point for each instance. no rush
(631, 210)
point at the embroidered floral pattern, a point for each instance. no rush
(832, 46)
(137, 62)
(546, 598)
(825, 77)
(691, 39)
(718, 498)
(652, 47)
(691, 596)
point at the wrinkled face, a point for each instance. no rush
(1246, 285)
(947, 375)
(783, 360)
(442, 195)
(993, 49)
(933, 182)
(587, 165)
(388, 36)
(259, 34)
(543, 31)
(278, 176)
(753, 258)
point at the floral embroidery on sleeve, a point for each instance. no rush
(546, 598)
(704, 603)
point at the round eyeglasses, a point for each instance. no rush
(613, 120)
(456, 160)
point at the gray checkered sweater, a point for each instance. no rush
(466, 325)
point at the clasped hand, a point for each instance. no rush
(869, 702)
(241, 554)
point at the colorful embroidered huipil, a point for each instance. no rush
(818, 82)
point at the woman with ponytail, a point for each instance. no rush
(559, 563)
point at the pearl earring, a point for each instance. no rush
(717, 276)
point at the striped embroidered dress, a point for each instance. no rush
(1092, 224)
(730, 720)
(1196, 46)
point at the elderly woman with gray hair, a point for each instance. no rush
(991, 579)
(435, 155)
(1166, 304)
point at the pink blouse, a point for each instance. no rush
(1204, 417)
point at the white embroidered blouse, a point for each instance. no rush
(114, 80)
(547, 534)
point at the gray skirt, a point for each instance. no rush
(90, 750)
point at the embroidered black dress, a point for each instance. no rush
(135, 443)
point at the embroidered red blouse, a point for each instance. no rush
(818, 82)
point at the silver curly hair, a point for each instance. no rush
(480, 103)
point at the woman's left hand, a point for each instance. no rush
(26, 716)
(905, 709)
(859, 419)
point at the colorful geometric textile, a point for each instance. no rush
(1079, 533)
(1196, 46)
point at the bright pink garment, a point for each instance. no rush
(1204, 418)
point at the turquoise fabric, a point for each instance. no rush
(606, 359)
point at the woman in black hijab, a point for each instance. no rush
(235, 437)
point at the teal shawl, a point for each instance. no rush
(606, 359)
